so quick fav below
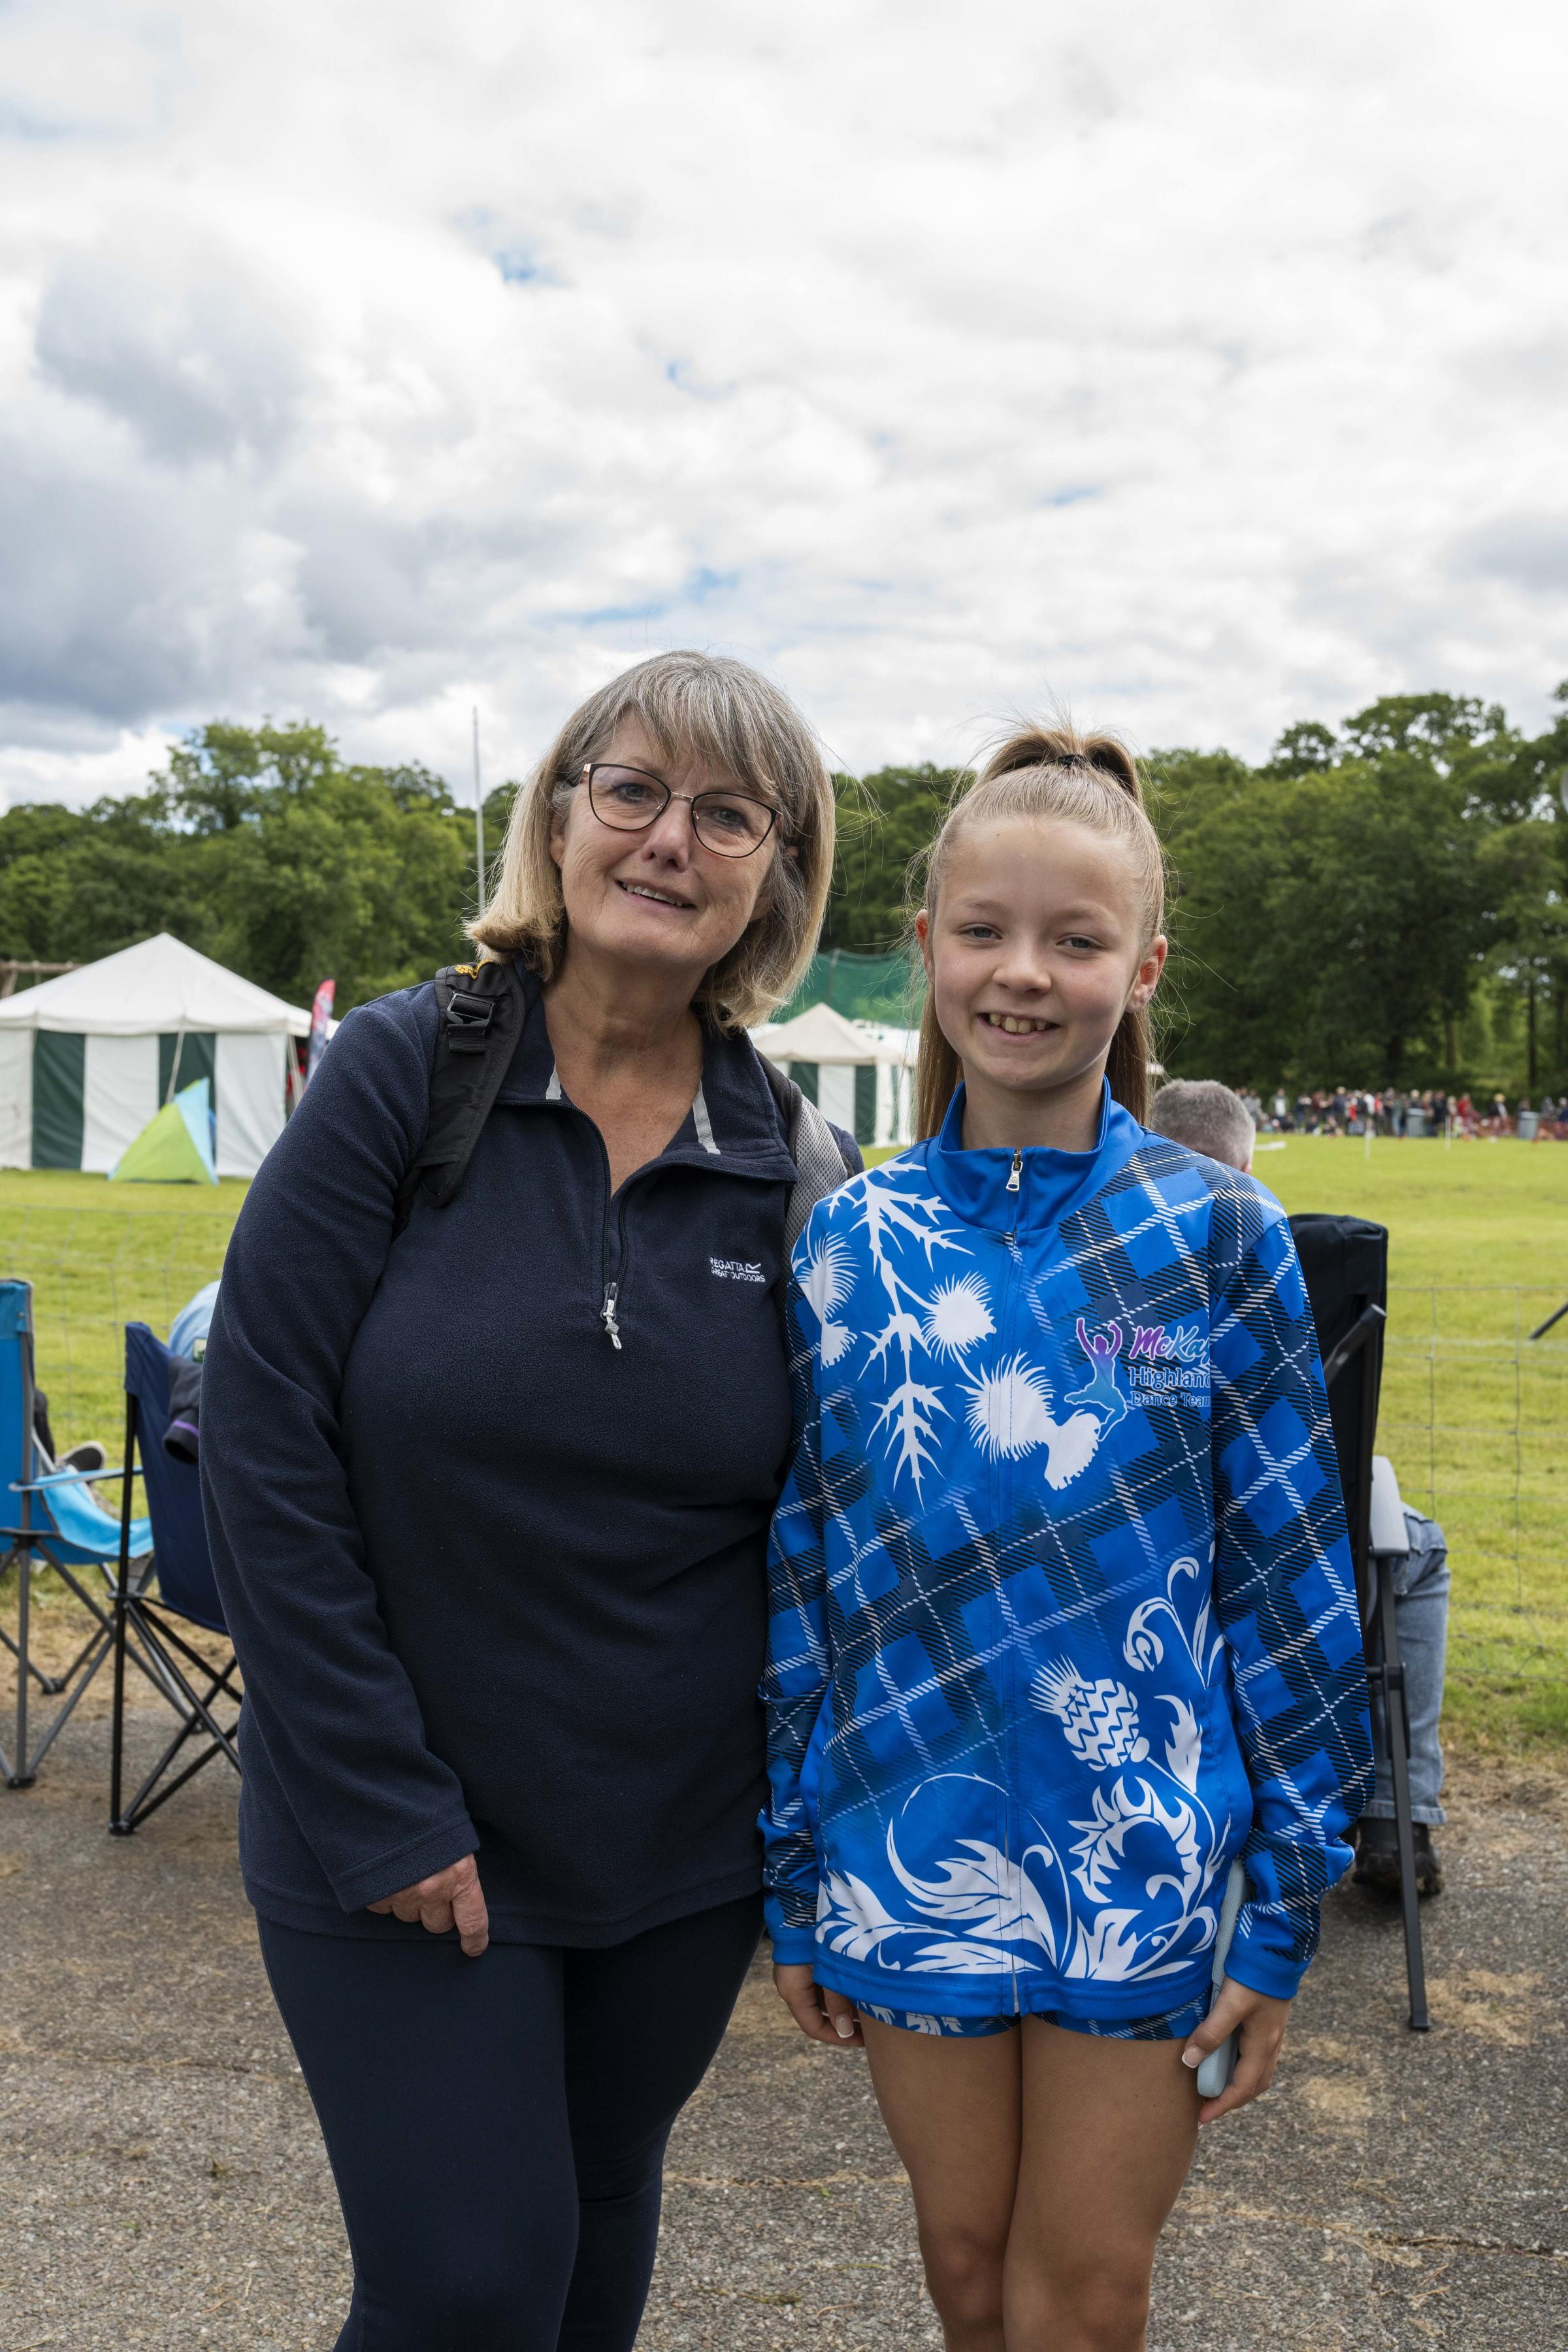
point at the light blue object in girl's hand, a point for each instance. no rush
(1220, 2064)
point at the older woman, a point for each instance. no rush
(488, 1493)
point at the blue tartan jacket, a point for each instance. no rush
(1062, 1610)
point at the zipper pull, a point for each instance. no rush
(608, 1313)
(1018, 1170)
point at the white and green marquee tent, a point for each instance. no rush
(86, 1060)
(858, 1072)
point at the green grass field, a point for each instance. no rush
(101, 1255)
(1475, 1415)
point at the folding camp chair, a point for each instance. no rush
(1344, 1261)
(147, 1625)
(52, 1520)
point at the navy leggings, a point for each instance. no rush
(497, 2126)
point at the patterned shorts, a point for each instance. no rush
(1173, 2025)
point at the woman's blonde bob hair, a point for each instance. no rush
(716, 712)
(1092, 780)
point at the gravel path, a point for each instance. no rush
(165, 2184)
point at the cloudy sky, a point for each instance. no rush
(1202, 367)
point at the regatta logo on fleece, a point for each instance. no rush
(736, 1269)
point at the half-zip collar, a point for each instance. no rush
(732, 1128)
(1023, 1191)
(732, 1124)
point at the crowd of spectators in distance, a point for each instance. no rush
(1394, 1111)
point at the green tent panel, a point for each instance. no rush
(60, 1058)
(197, 1050)
(175, 1147)
(807, 1077)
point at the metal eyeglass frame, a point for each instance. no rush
(691, 799)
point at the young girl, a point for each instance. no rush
(1063, 1613)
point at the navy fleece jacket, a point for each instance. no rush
(497, 1584)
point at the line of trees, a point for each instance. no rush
(1385, 904)
(261, 847)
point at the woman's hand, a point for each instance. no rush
(1261, 2024)
(453, 1897)
(821, 2014)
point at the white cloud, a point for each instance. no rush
(1202, 367)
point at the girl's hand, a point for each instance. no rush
(452, 1897)
(1261, 2024)
(821, 2015)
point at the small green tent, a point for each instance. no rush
(175, 1147)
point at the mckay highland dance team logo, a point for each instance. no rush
(1160, 1359)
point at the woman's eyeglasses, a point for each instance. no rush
(732, 825)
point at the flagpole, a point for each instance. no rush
(478, 813)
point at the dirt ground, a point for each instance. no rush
(166, 2186)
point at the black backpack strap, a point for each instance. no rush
(820, 1163)
(482, 1009)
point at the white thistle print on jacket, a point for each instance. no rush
(1133, 1902)
(997, 1913)
(1100, 1720)
(1008, 1407)
(1061, 1609)
(825, 1284)
(1136, 1813)
(1010, 1415)
(959, 1316)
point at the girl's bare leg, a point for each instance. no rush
(952, 2110)
(1107, 2132)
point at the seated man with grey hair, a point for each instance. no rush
(1207, 1118)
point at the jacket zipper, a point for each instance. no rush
(614, 1254)
(1009, 1705)
(613, 1240)
(613, 1236)
(1015, 1174)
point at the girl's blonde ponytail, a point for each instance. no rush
(1092, 780)
(1127, 1064)
(937, 1072)
(1061, 746)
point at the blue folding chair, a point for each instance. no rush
(53, 1521)
(146, 1624)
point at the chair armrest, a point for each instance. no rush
(1390, 1536)
(1359, 1336)
(63, 1478)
